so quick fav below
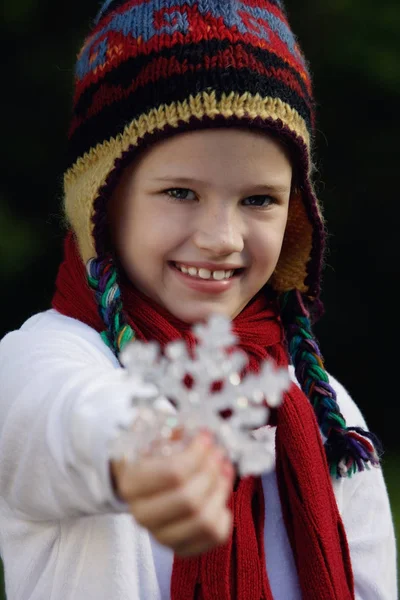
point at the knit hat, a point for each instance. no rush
(153, 68)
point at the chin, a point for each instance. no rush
(200, 313)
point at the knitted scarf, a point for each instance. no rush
(237, 569)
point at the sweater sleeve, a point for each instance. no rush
(62, 400)
(364, 504)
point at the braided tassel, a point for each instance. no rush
(102, 278)
(348, 449)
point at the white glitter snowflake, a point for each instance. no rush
(165, 422)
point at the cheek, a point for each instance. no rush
(147, 236)
(265, 244)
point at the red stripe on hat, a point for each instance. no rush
(121, 47)
(162, 67)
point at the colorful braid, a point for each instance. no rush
(102, 278)
(348, 449)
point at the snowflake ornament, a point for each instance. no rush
(201, 391)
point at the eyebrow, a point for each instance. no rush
(261, 187)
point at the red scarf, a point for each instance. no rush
(236, 570)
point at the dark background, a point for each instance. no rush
(354, 50)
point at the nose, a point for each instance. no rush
(219, 232)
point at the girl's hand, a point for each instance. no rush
(180, 499)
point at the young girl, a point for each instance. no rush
(188, 192)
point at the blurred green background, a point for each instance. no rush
(354, 51)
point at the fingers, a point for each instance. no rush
(210, 527)
(185, 501)
(152, 475)
(204, 545)
(181, 499)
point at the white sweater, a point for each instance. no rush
(64, 535)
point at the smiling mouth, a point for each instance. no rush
(207, 274)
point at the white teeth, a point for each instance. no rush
(204, 273)
(218, 275)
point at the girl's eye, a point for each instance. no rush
(258, 201)
(181, 194)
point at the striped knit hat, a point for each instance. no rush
(153, 68)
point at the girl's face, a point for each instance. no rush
(198, 220)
